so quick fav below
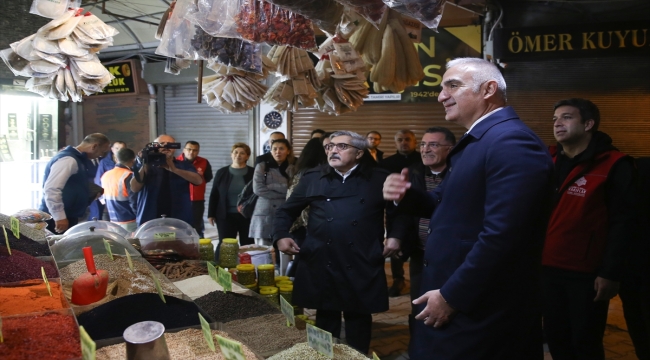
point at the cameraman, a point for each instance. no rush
(164, 189)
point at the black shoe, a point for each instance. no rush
(396, 289)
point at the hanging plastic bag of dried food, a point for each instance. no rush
(325, 14)
(53, 8)
(261, 21)
(215, 17)
(236, 53)
(371, 10)
(16, 63)
(428, 12)
(175, 40)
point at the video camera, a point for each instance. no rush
(151, 153)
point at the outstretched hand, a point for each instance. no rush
(288, 246)
(396, 185)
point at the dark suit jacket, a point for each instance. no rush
(484, 247)
(218, 204)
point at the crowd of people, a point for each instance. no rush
(510, 242)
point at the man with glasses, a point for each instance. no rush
(342, 257)
(405, 156)
(197, 192)
(436, 144)
(374, 139)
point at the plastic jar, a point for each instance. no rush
(228, 253)
(253, 287)
(286, 291)
(283, 283)
(271, 294)
(266, 275)
(281, 278)
(246, 274)
(206, 250)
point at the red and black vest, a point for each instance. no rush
(197, 192)
(577, 231)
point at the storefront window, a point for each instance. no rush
(28, 139)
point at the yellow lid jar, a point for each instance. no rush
(206, 250)
(266, 274)
(246, 274)
(228, 254)
(286, 291)
(271, 294)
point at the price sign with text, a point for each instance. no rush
(287, 310)
(320, 340)
(109, 251)
(156, 283)
(224, 279)
(165, 236)
(207, 333)
(6, 239)
(231, 350)
(128, 259)
(212, 271)
(15, 227)
(88, 346)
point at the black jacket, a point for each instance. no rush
(218, 205)
(341, 266)
(395, 163)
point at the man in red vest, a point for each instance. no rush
(197, 192)
(591, 224)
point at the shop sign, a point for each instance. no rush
(12, 123)
(588, 40)
(5, 154)
(125, 81)
(45, 127)
(434, 51)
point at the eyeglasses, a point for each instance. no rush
(339, 146)
(192, 150)
(432, 145)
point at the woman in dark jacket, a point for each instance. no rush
(229, 182)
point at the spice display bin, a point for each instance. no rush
(168, 240)
(70, 248)
(28, 283)
(47, 259)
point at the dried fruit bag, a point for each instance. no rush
(261, 21)
(215, 17)
(428, 12)
(325, 14)
(371, 10)
(228, 51)
(53, 8)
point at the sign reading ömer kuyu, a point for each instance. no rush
(125, 81)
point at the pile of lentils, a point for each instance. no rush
(304, 351)
(224, 307)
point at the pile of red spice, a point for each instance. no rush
(19, 266)
(50, 336)
(30, 297)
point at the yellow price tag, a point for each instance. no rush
(6, 239)
(88, 346)
(231, 350)
(2, 339)
(107, 245)
(320, 340)
(15, 227)
(156, 283)
(207, 333)
(47, 283)
(374, 356)
(224, 278)
(128, 259)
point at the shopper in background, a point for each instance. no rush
(341, 267)
(405, 156)
(317, 133)
(229, 181)
(270, 183)
(374, 140)
(197, 192)
(164, 189)
(66, 182)
(594, 220)
(105, 163)
(117, 190)
(276, 135)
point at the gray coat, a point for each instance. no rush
(272, 193)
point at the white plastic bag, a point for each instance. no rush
(53, 8)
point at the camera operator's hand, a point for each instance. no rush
(169, 158)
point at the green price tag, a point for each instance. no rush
(6, 239)
(165, 236)
(88, 346)
(47, 283)
(231, 350)
(212, 271)
(128, 259)
(224, 278)
(107, 245)
(156, 283)
(374, 356)
(320, 340)
(207, 333)
(2, 339)
(287, 310)
(15, 227)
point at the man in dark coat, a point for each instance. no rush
(341, 266)
(481, 278)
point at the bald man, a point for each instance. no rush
(164, 189)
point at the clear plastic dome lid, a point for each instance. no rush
(98, 225)
(69, 249)
(168, 239)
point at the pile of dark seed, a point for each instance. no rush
(26, 245)
(224, 307)
(25, 231)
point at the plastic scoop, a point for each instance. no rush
(89, 287)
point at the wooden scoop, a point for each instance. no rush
(89, 287)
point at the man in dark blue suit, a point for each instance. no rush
(480, 284)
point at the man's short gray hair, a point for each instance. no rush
(484, 71)
(356, 140)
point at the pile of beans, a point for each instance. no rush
(19, 266)
(226, 307)
(304, 351)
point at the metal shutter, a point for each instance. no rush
(619, 86)
(386, 117)
(186, 120)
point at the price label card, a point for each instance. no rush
(128, 259)
(287, 310)
(88, 346)
(165, 236)
(107, 245)
(6, 239)
(207, 333)
(2, 339)
(212, 271)
(320, 340)
(47, 283)
(224, 278)
(15, 227)
(156, 283)
(374, 356)
(231, 350)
